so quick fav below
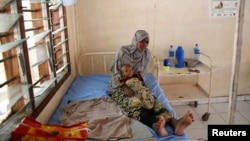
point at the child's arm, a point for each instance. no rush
(120, 82)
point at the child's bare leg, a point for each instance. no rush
(159, 126)
(183, 123)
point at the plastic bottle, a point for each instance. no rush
(171, 56)
(197, 53)
(179, 55)
(166, 64)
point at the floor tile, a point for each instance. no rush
(238, 119)
(218, 115)
(248, 101)
(214, 119)
(242, 106)
(195, 134)
(203, 108)
(220, 107)
(246, 114)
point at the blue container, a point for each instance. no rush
(166, 62)
(179, 55)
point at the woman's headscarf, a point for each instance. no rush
(139, 60)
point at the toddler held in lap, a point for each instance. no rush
(143, 96)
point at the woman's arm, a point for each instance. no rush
(128, 92)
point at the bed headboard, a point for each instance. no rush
(100, 63)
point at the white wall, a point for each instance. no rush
(105, 26)
(97, 26)
(244, 80)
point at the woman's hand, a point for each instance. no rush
(116, 79)
(128, 92)
(140, 73)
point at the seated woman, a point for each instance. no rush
(138, 56)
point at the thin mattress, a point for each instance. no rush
(86, 87)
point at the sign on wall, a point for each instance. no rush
(223, 8)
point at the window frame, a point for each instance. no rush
(19, 66)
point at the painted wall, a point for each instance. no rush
(97, 26)
(105, 26)
(244, 77)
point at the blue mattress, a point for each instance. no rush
(95, 86)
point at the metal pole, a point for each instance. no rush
(236, 62)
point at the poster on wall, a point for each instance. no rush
(223, 8)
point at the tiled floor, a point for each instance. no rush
(218, 115)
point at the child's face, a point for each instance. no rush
(127, 71)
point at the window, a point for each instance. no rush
(34, 56)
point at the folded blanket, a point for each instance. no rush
(106, 120)
(110, 128)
